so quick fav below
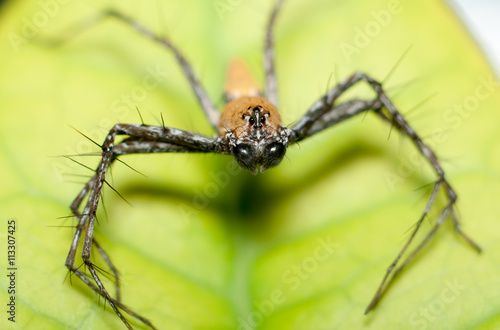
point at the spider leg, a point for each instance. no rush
(271, 88)
(107, 260)
(324, 105)
(206, 103)
(142, 139)
(323, 113)
(341, 112)
(204, 100)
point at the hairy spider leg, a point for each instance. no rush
(323, 114)
(145, 139)
(142, 139)
(271, 89)
(209, 109)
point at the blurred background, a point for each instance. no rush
(302, 246)
(481, 18)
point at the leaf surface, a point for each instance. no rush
(207, 246)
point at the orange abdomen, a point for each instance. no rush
(239, 81)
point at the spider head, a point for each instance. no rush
(252, 127)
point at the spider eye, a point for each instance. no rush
(251, 121)
(274, 149)
(273, 154)
(242, 150)
(245, 155)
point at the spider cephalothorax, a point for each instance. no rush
(252, 128)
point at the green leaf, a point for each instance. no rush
(207, 246)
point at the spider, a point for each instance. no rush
(250, 129)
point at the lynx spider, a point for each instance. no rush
(250, 129)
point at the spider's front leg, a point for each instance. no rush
(323, 114)
(206, 103)
(271, 87)
(142, 139)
